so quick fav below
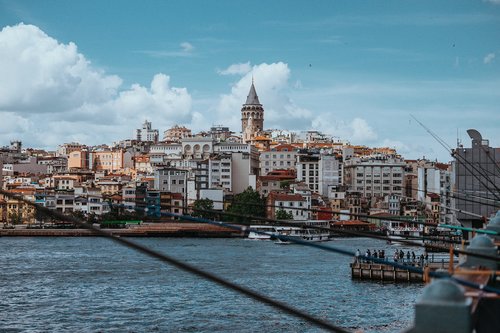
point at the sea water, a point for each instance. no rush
(71, 284)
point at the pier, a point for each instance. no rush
(381, 272)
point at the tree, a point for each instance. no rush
(282, 214)
(203, 204)
(118, 213)
(15, 218)
(285, 184)
(248, 202)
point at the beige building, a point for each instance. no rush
(111, 160)
(176, 133)
(279, 157)
(68, 148)
(78, 159)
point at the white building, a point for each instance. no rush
(197, 147)
(321, 172)
(146, 133)
(294, 204)
(437, 180)
(375, 176)
(219, 172)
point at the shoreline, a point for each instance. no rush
(150, 230)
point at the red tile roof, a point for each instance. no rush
(286, 197)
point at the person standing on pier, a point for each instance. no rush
(357, 255)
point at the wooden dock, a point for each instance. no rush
(381, 272)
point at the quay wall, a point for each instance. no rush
(149, 230)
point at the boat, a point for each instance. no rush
(300, 231)
(262, 232)
(404, 230)
(440, 240)
(316, 232)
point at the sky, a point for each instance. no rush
(93, 71)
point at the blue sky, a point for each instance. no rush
(92, 71)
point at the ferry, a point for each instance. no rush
(257, 232)
(404, 230)
(312, 234)
(301, 231)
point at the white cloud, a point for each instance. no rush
(185, 51)
(50, 94)
(187, 47)
(400, 147)
(489, 57)
(40, 75)
(236, 69)
(495, 2)
(361, 131)
(356, 131)
(272, 86)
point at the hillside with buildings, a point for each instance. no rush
(146, 176)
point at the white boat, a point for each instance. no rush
(314, 234)
(404, 230)
(301, 231)
(263, 232)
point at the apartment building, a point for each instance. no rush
(219, 172)
(147, 133)
(375, 176)
(321, 172)
(294, 204)
(111, 160)
(435, 185)
(279, 157)
(170, 180)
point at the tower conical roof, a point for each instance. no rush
(252, 98)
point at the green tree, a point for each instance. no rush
(15, 218)
(118, 213)
(203, 204)
(285, 184)
(248, 202)
(282, 214)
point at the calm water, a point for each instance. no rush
(95, 285)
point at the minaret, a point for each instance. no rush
(252, 109)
